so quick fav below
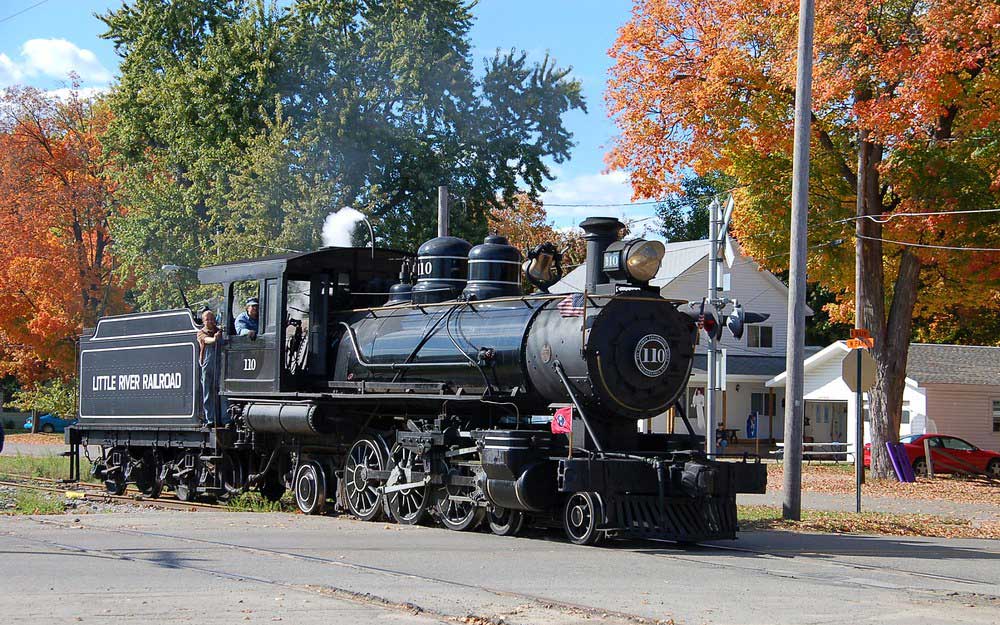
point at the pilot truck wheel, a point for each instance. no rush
(581, 515)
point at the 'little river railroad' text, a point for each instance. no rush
(137, 382)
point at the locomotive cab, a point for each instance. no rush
(298, 292)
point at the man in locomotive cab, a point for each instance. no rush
(210, 336)
(247, 323)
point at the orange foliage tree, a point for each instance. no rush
(909, 88)
(56, 267)
(526, 224)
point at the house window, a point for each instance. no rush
(760, 336)
(996, 415)
(762, 404)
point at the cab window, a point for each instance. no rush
(242, 291)
(271, 314)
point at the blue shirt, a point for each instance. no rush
(245, 323)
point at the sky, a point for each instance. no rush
(42, 41)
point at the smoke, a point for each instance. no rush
(338, 228)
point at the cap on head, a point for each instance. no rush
(253, 301)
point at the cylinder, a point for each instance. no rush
(600, 232)
(494, 270)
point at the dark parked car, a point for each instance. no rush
(961, 455)
(49, 423)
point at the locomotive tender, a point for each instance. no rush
(422, 401)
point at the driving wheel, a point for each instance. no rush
(409, 505)
(364, 497)
(455, 506)
(505, 522)
(310, 488)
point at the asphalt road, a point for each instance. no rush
(171, 567)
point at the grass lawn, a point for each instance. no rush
(52, 467)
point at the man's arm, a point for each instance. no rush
(243, 328)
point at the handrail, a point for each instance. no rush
(396, 366)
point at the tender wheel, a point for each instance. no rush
(147, 476)
(993, 468)
(233, 476)
(310, 488)
(407, 506)
(506, 522)
(454, 505)
(186, 491)
(581, 516)
(115, 480)
(364, 498)
(115, 485)
(920, 466)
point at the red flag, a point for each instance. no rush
(562, 421)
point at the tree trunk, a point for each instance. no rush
(34, 421)
(891, 332)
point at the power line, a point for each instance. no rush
(706, 196)
(25, 10)
(887, 217)
(931, 247)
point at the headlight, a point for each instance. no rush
(637, 260)
(642, 260)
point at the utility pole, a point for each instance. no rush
(794, 355)
(859, 308)
(713, 296)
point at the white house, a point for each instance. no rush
(751, 361)
(953, 389)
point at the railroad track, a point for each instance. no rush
(95, 492)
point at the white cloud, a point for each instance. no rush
(10, 73)
(84, 93)
(600, 188)
(588, 190)
(52, 58)
(59, 57)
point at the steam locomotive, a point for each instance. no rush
(425, 400)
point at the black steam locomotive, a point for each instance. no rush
(430, 400)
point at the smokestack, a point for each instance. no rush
(600, 232)
(443, 211)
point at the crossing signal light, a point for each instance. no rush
(709, 322)
(739, 319)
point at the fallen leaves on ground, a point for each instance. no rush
(35, 439)
(769, 518)
(839, 480)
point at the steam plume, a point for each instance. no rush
(338, 228)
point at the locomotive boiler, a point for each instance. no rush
(423, 387)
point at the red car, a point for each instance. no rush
(965, 455)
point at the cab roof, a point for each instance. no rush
(327, 259)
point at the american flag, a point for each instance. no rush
(572, 305)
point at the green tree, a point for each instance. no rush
(684, 216)
(239, 126)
